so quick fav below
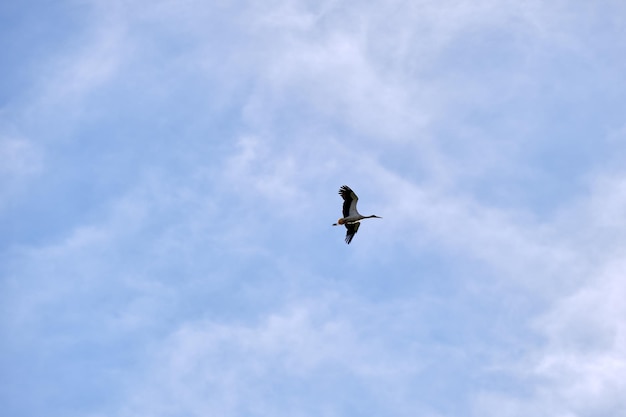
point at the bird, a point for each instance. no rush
(351, 217)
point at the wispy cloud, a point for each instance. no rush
(288, 362)
(21, 160)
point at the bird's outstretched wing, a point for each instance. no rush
(349, 201)
(351, 229)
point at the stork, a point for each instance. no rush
(351, 217)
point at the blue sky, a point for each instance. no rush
(168, 180)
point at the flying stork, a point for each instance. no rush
(351, 217)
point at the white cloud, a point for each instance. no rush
(21, 160)
(579, 368)
(582, 367)
(19, 157)
(323, 356)
(75, 73)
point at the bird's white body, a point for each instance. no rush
(353, 219)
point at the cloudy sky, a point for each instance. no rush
(168, 180)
